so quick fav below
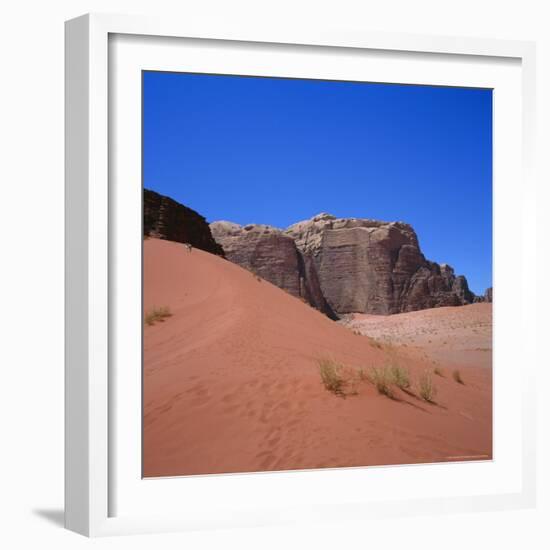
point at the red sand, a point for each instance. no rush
(231, 382)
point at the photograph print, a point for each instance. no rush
(317, 274)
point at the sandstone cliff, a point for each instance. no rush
(165, 218)
(345, 265)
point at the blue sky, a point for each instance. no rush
(277, 151)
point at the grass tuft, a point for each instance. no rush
(157, 314)
(426, 387)
(381, 378)
(400, 377)
(331, 376)
(438, 372)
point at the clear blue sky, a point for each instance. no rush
(277, 151)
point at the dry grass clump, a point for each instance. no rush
(426, 387)
(341, 380)
(353, 383)
(382, 380)
(457, 377)
(157, 314)
(400, 377)
(332, 376)
(439, 372)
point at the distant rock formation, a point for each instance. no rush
(345, 265)
(487, 296)
(165, 218)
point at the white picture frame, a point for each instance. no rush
(95, 473)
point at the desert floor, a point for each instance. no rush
(232, 381)
(452, 336)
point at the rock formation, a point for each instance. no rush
(165, 218)
(345, 265)
(338, 265)
(487, 296)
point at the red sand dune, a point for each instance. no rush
(231, 382)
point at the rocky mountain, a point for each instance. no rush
(167, 219)
(345, 265)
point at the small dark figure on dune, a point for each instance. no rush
(189, 247)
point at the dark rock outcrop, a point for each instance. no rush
(167, 219)
(345, 265)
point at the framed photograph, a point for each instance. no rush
(290, 294)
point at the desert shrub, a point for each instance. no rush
(426, 387)
(362, 375)
(400, 377)
(457, 377)
(381, 378)
(353, 384)
(438, 372)
(331, 376)
(157, 314)
(375, 343)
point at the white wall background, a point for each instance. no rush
(31, 274)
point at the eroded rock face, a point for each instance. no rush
(263, 250)
(346, 265)
(165, 218)
(376, 267)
